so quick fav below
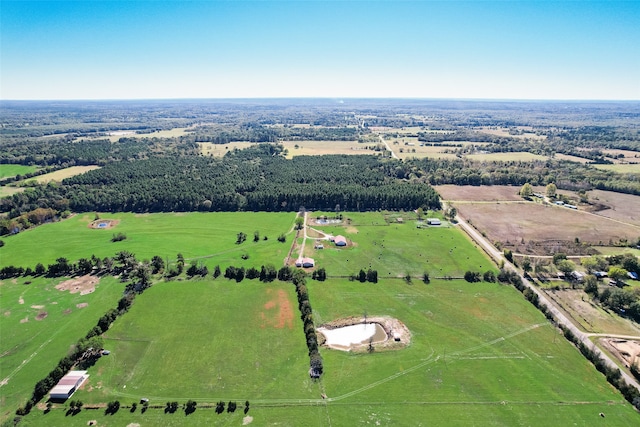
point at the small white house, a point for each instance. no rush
(433, 221)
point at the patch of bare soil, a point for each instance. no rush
(25, 320)
(398, 335)
(278, 311)
(82, 305)
(37, 307)
(133, 425)
(626, 351)
(7, 313)
(247, 420)
(21, 300)
(42, 315)
(104, 224)
(83, 284)
(67, 311)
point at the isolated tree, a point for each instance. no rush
(240, 238)
(552, 190)
(452, 213)
(299, 222)
(419, 213)
(526, 191)
(190, 407)
(256, 236)
(590, 264)
(526, 264)
(425, 277)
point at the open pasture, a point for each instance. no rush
(633, 168)
(478, 351)
(209, 238)
(623, 156)
(219, 150)
(507, 157)
(571, 158)
(479, 354)
(61, 174)
(5, 190)
(589, 316)
(397, 249)
(622, 207)
(515, 222)
(7, 170)
(319, 148)
(482, 193)
(520, 132)
(223, 340)
(39, 323)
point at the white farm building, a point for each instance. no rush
(68, 385)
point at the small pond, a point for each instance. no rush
(347, 336)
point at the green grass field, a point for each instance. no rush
(506, 157)
(621, 168)
(13, 170)
(397, 249)
(206, 237)
(480, 354)
(30, 348)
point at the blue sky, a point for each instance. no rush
(238, 49)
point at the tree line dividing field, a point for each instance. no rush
(474, 345)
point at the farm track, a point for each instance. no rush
(430, 359)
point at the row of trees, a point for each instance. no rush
(316, 366)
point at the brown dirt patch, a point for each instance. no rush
(83, 284)
(392, 326)
(82, 305)
(278, 311)
(478, 193)
(67, 311)
(626, 351)
(247, 420)
(37, 307)
(42, 315)
(623, 207)
(20, 300)
(530, 227)
(25, 320)
(104, 224)
(7, 313)
(351, 230)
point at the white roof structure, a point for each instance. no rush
(68, 385)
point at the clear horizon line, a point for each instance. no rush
(240, 98)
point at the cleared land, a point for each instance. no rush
(513, 223)
(39, 323)
(206, 237)
(13, 170)
(219, 150)
(622, 207)
(571, 158)
(9, 191)
(621, 168)
(589, 316)
(481, 193)
(479, 353)
(375, 243)
(64, 173)
(506, 157)
(318, 148)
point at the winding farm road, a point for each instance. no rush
(560, 317)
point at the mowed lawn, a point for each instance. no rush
(205, 237)
(31, 348)
(479, 355)
(206, 340)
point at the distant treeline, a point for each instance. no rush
(256, 179)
